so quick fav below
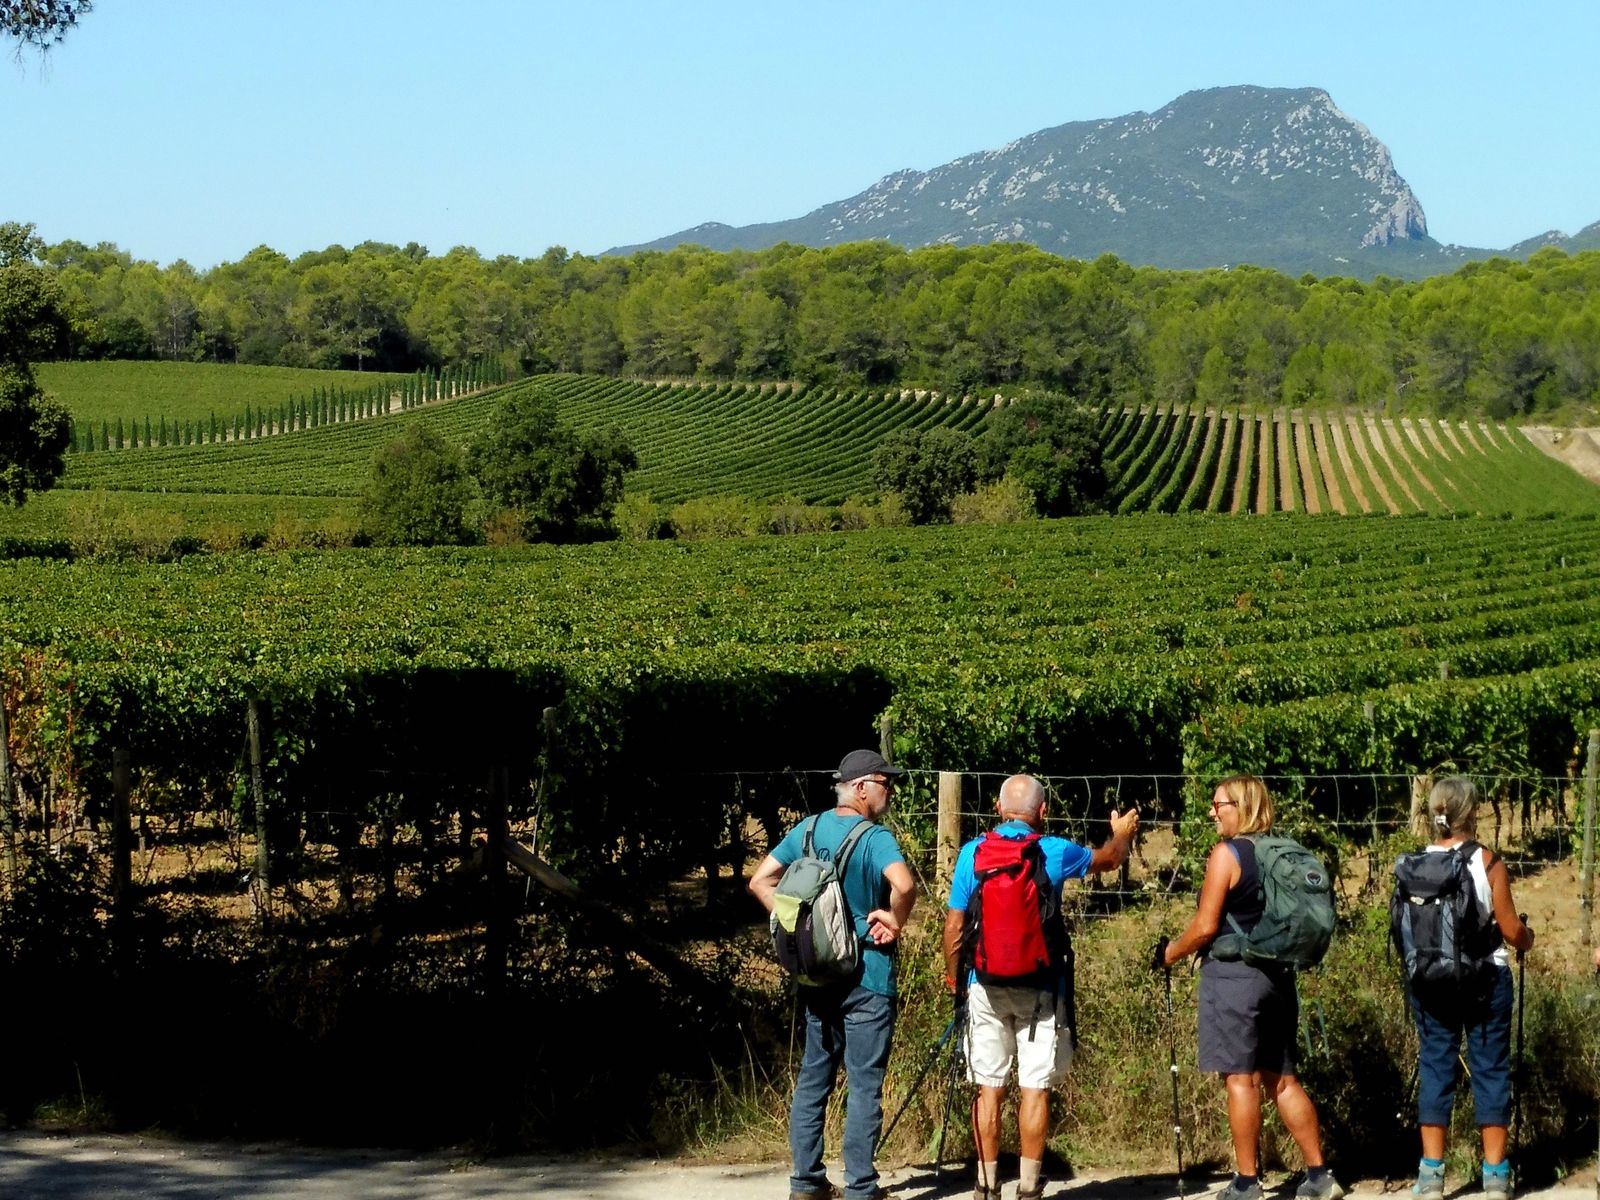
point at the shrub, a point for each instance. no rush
(716, 517)
(639, 518)
(999, 503)
(418, 493)
(562, 482)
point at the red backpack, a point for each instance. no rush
(1015, 935)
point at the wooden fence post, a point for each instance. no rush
(258, 790)
(949, 834)
(497, 830)
(1589, 771)
(121, 833)
(6, 809)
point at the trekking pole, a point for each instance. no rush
(1172, 1066)
(1516, 1069)
(933, 1057)
(956, 1055)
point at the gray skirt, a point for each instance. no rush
(1248, 1019)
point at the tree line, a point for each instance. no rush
(1496, 338)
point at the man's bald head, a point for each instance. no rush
(1022, 799)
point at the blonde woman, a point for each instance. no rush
(1248, 1014)
(1478, 1010)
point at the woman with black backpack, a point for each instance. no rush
(1248, 1012)
(1452, 918)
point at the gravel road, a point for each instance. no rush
(35, 1166)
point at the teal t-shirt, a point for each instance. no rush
(865, 888)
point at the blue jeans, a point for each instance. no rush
(856, 1026)
(1483, 1014)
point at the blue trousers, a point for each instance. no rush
(854, 1026)
(1483, 1014)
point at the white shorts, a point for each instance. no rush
(1022, 1023)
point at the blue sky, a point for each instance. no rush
(201, 128)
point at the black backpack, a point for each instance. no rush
(1440, 931)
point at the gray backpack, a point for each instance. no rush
(813, 930)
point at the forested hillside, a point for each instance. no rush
(1498, 338)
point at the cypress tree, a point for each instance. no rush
(120, 442)
(105, 436)
(162, 433)
(147, 442)
(213, 438)
(235, 436)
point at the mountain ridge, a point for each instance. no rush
(1277, 177)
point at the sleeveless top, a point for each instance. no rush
(1244, 902)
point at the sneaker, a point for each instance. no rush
(1430, 1182)
(1326, 1188)
(1497, 1185)
(1234, 1192)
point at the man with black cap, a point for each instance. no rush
(853, 1020)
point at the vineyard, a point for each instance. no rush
(1102, 644)
(364, 731)
(767, 441)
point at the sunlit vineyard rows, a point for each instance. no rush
(1132, 643)
(816, 443)
(750, 439)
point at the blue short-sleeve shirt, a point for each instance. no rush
(864, 885)
(1063, 860)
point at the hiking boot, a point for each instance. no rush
(985, 1193)
(1430, 1182)
(1326, 1188)
(1496, 1185)
(1036, 1194)
(1233, 1191)
(826, 1192)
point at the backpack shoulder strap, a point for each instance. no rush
(809, 848)
(846, 847)
(1471, 847)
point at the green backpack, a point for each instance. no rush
(1297, 918)
(813, 930)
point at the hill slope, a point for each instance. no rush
(771, 440)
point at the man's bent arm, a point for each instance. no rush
(955, 924)
(763, 884)
(885, 924)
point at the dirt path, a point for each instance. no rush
(1454, 436)
(1224, 476)
(1381, 448)
(1264, 455)
(1330, 477)
(1288, 501)
(1358, 443)
(1431, 428)
(1575, 447)
(1247, 450)
(1363, 502)
(1308, 479)
(1413, 465)
(39, 1167)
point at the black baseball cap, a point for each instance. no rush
(864, 762)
